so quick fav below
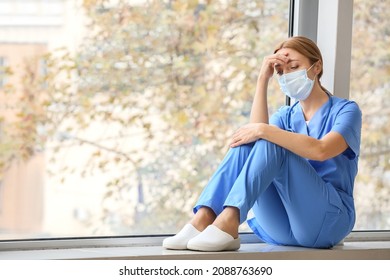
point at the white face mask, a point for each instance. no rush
(297, 84)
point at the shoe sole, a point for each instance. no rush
(173, 247)
(233, 245)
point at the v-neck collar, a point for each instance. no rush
(316, 124)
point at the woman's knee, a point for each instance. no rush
(242, 149)
(266, 145)
(245, 147)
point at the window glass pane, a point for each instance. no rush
(117, 132)
(370, 87)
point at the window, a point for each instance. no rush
(135, 116)
(132, 121)
(370, 87)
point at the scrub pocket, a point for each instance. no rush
(336, 222)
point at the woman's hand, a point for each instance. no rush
(247, 134)
(259, 111)
(268, 66)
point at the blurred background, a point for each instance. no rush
(114, 114)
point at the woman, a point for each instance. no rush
(295, 171)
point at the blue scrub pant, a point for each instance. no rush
(291, 203)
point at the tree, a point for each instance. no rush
(370, 87)
(167, 82)
(156, 89)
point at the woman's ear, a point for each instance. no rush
(318, 67)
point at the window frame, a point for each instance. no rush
(150, 240)
(3, 75)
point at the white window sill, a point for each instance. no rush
(356, 246)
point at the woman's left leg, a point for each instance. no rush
(218, 188)
(211, 200)
(316, 215)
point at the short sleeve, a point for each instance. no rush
(349, 123)
(279, 117)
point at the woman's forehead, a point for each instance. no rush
(292, 54)
(289, 52)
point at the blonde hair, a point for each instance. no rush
(307, 48)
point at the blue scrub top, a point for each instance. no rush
(339, 115)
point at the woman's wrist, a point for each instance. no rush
(263, 79)
(261, 130)
(262, 86)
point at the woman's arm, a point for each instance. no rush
(331, 145)
(259, 111)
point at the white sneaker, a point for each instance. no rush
(180, 240)
(212, 239)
